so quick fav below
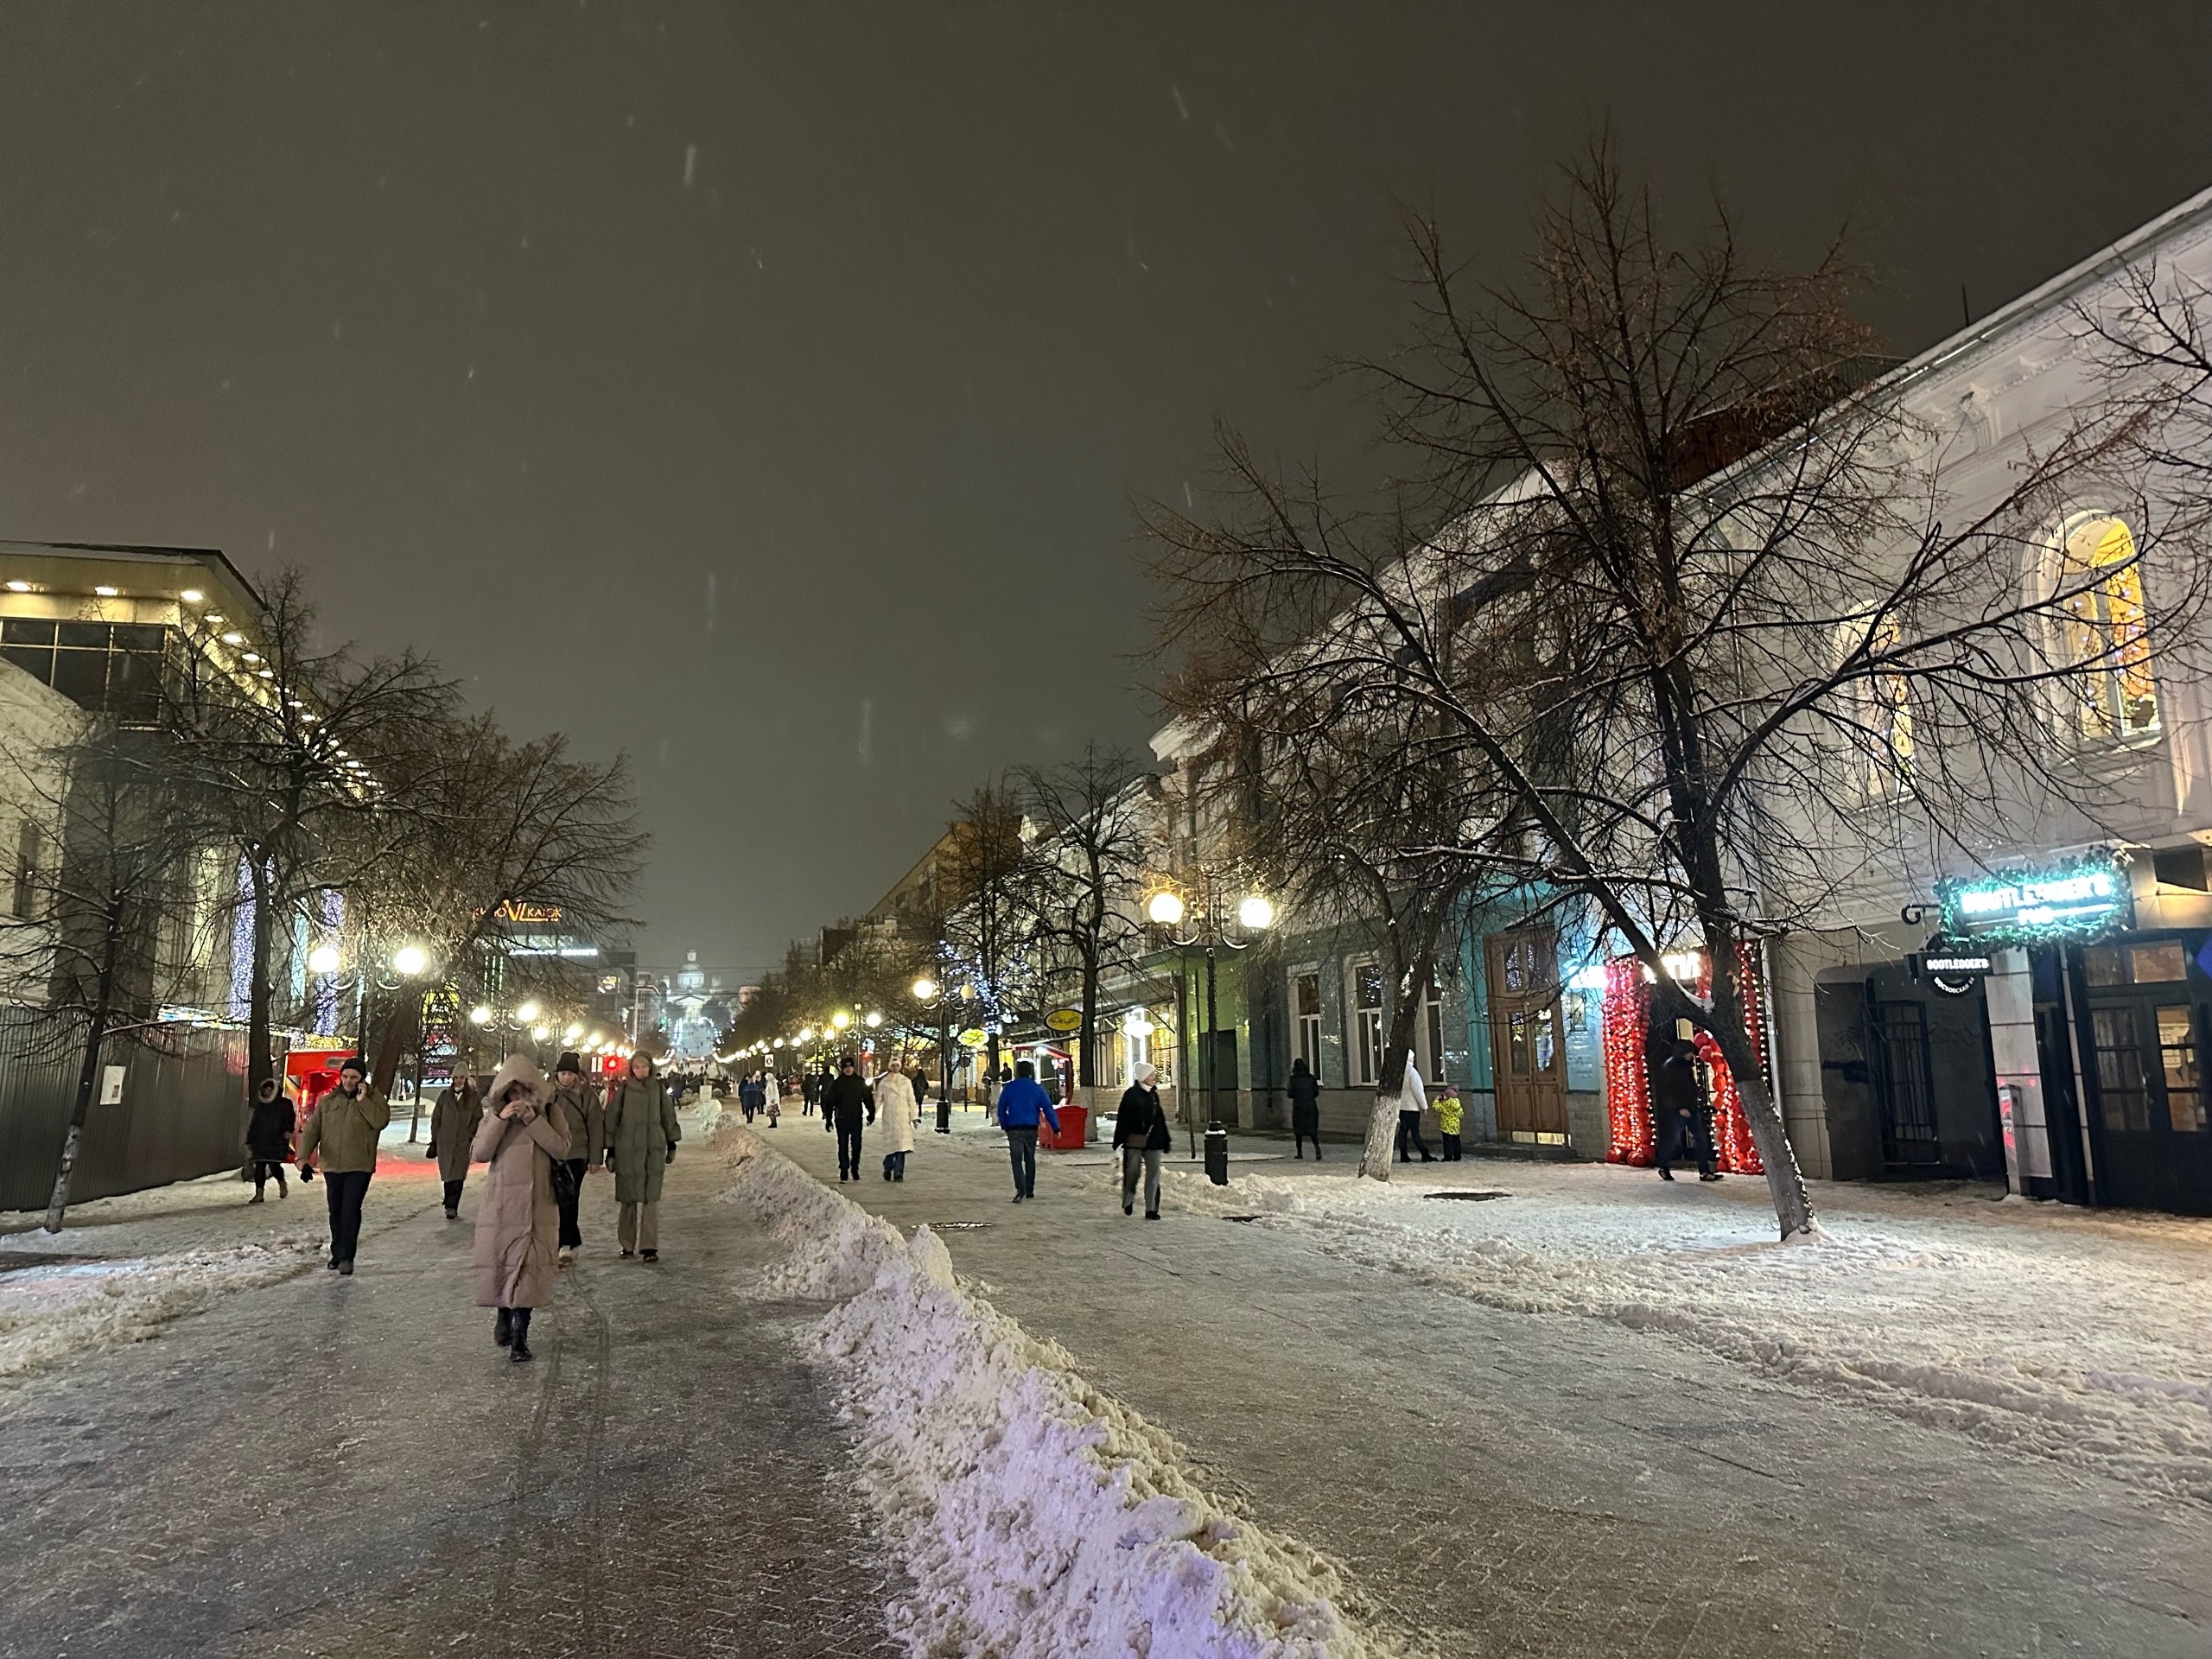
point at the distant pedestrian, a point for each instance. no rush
(1680, 1122)
(518, 1218)
(896, 1114)
(1022, 1101)
(1449, 1116)
(641, 1136)
(1140, 1133)
(1412, 1101)
(1305, 1107)
(576, 1109)
(772, 1087)
(807, 1090)
(844, 1103)
(344, 1131)
(268, 1137)
(454, 1120)
(751, 1098)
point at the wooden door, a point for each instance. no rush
(1528, 1060)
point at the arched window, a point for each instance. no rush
(2107, 627)
(1880, 711)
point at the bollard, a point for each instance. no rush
(1217, 1155)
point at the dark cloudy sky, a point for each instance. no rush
(759, 389)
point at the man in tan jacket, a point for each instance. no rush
(345, 1127)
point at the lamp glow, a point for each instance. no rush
(410, 960)
(874, 1019)
(480, 1015)
(1256, 912)
(924, 988)
(1165, 907)
(841, 1019)
(528, 1012)
(323, 959)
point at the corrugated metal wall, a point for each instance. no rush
(182, 1114)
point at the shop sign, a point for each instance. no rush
(972, 1037)
(1063, 1019)
(1953, 972)
(2077, 900)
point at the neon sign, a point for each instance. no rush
(2075, 900)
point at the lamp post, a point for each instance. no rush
(1201, 922)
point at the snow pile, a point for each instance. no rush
(1036, 1517)
(54, 1310)
(2079, 1337)
(705, 1119)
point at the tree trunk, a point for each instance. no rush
(1086, 1055)
(1381, 1137)
(1730, 1028)
(261, 1064)
(399, 1030)
(88, 1074)
(1397, 1054)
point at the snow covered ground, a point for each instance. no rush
(1036, 1517)
(2081, 1336)
(125, 1266)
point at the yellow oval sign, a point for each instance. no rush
(1063, 1019)
(972, 1039)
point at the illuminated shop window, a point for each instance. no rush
(2107, 631)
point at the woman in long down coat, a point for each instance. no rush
(517, 1223)
(895, 1112)
(641, 1136)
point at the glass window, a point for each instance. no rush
(83, 636)
(2155, 965)
(81, 677)
(37, 661)
(2177, 1055)
(2104, 965)
(2121, 1084)
(2108, 630)
(1516, 1043)
(1305, 998)
(1546, 1042)
(139, 636)
(26, 631)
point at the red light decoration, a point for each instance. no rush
(1625, 1016)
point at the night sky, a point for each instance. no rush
(761, 389)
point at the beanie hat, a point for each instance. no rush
(352, 1062)
(568, 1062)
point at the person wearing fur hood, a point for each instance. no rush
(896, 1112)
(518, 1222)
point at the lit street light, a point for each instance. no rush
(925, 990)
(410, 961)
(323, 959)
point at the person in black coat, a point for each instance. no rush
(1140, 1133)
(1305, 1107)
(842, 1104)
(268, 1137)
(1679, 1118)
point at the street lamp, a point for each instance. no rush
(1207, 926)
(841, 1019)
(925, 990)
(528, 1012)
(323, 959)
(410, 961)
(874, 1019)
(480, 1015)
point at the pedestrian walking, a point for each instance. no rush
(268, 1137)
(641, 1136)
(1140, 1133)
(454, 1120)
(1412, 1101)
(808, 1087)
(773, 1087)
(1022, 1101)
(1679, 1120)
(751, 1098)
(896, 1113)
(1450, 1114)
(842, 1104)
(343, 1131)
(576, 1109)
(1305, 1107)
(519, 1219)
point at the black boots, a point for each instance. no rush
(519, 1350)
(503, 1328)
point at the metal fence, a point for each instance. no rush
(183, 1111)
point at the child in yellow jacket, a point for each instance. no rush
(1449, 1116)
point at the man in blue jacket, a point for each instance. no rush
(1020, 1103)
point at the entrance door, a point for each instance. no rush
(2147, 1023)
(1528, 1062)
(1903, 1087)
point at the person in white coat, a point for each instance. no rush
(1412, 1101)
(896, 1113)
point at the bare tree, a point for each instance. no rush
(288, 744)
(1086, 865)
(1694, 594)
(989, 920)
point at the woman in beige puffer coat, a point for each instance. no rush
(517, 1223)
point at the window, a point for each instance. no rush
(25, 898)
(1432, 1066)
(1367, 1020)
(109, 668)
(1306, 1014)
(1885, 720)
(2106, 627)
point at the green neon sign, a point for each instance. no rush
(2079, 899)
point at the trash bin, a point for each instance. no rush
(1070, 1139)
(1217, 1155)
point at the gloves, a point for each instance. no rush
(610, 1163)
(431, 1151)
(671, 1153)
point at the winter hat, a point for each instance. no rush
(1147, 1072)
(568, 1062)
(518, 1068)
(352, 1062)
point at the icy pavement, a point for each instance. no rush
(1577, 1479)
(329, 1467)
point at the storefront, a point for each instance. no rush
(2099, 1021)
